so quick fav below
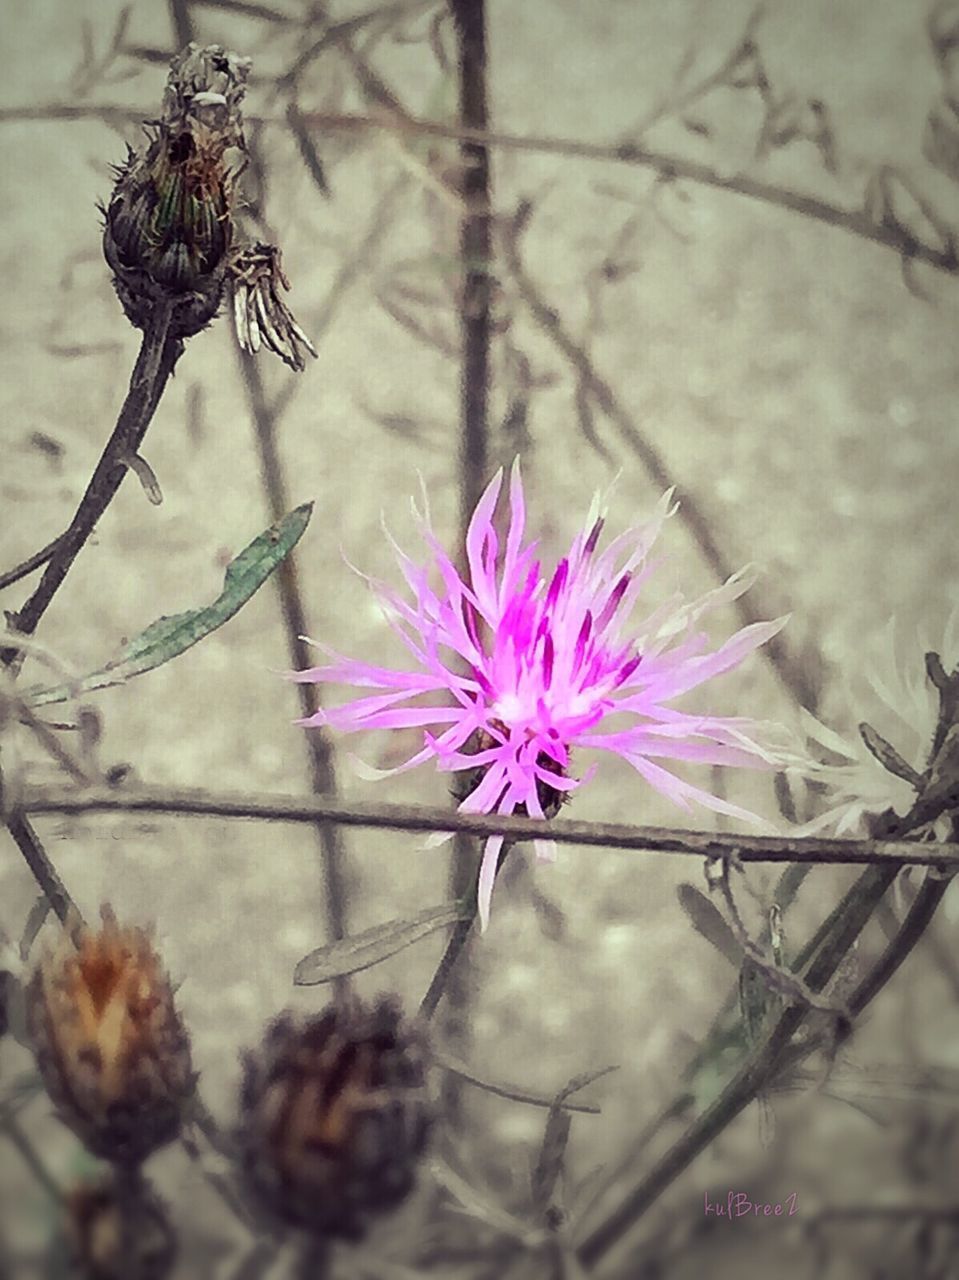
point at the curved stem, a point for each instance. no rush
(43, 870)
(158, 354)
(32, 562)
(454, 947)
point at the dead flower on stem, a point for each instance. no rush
(170, 230)
(335, 1117)
(110, 1045)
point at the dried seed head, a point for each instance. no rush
(169, 224)
(114, 1237)
(109, 1043)
(335, 1117)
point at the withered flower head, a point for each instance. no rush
(170, 231)
(169, 226)
(335, 1116)
(110, 1045)
(113, 1236)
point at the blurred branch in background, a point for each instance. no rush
(872, 222)
(476, 283)
(750, 607)
(296, 626)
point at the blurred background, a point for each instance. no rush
(794, 377)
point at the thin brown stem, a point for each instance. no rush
(476, 245)
(32, 562)
(751, 1078)
(158, 354)
(917, 920)
(42, 869)
(10, 1126)
(816, 850)
(182, 19)
(780, 1049)
(438, 985)
(322, 767)
(248, 10)
(671, 168)
(749, 606)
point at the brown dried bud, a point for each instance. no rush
(169, 227)
(115, 1233)
(109, 1043)
(335, 1116)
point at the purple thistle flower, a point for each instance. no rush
(528, 667)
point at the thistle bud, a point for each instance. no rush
(110, 1046)
(169, 227)
(335, 1117)
(115, 1233)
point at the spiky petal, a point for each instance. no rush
(513, 668)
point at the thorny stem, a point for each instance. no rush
(323, 773)
(158, 354)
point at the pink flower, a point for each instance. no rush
(513, 669)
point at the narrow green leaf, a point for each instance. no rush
(708, 921)
(363, 950)
(168, 637)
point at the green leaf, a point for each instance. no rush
(363, 950)
(168, 637)
(708, 921)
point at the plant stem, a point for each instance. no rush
(27, 566)
(322, 767)
(469, 21)
(44, 872)
(195, 801)
(913, 927)
(158, 354)
(11, 1127)
(315, 1261)
(756, 1072)
(455, 945)
(669, 167)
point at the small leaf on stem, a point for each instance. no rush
(168, 637)
(708, 921)
(363, 950)
(888, 756)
